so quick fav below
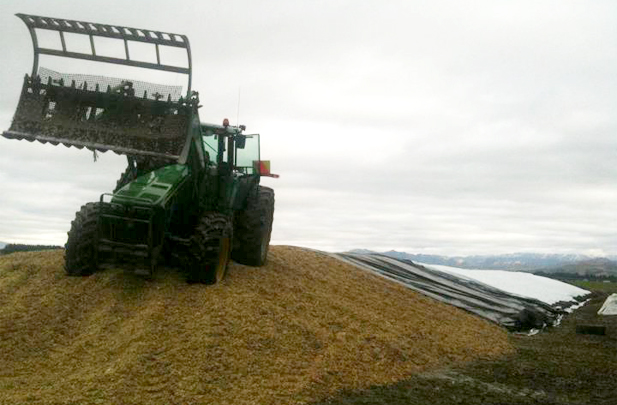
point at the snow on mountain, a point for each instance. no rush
(512, 261)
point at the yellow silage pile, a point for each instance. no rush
(298, 329)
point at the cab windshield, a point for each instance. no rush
(244, 157)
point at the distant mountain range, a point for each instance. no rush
(515, 261)
(598, 267)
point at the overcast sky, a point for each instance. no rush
(439, 127)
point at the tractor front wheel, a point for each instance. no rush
(210, 249)
(80, 248)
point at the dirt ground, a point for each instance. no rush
(557, 366)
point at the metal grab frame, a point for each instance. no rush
(148, 252)
(108, 31)
(98, 120)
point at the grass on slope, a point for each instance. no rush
(301, 328)
(596, 286)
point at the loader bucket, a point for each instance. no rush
(110, 119)
(102, 113)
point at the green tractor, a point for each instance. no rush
(190, 194)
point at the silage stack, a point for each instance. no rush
(297, 330)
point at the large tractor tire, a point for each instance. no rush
(253, 227)
(210, 249)
(125, 178)
(80, 248)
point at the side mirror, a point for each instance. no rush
(240, 141)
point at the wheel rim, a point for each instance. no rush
(221, 266)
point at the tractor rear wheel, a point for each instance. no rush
(210, 249)
(125, 178)
(253, 227)
(80, 248)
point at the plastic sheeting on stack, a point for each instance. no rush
(514, 312)
(610, 306)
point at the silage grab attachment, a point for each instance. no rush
(104, 113)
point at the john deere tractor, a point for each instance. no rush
(190, 193)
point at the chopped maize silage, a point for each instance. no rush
(300, 328)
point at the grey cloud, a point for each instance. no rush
(435, 127)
